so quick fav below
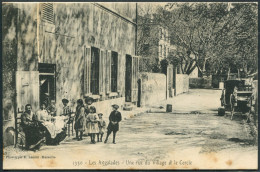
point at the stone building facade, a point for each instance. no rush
(67, 50)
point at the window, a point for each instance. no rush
(47, 13)
(160, 50)
(146, 49)
(160, 33)
(147, 31)
(94, 82)
(114, 62)
(164, 52)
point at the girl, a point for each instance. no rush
(101, 126)
(92, 123)
(79, 119)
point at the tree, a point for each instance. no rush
(219, 35)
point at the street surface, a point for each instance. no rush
(192, 137)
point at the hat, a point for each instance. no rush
(65, 101)
(100, 114)
(89, 99)
(115, 106)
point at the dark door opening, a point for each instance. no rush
(128, 78)
(139, 93)
(47, 82)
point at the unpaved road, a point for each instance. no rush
(194, 139)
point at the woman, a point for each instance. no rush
(79, 119)
(54, 135)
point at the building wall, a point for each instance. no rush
(153, 88)
(84, 24)
(194, 73)
(76, 25)
(181, 84)
(9, 64)
(164, 43)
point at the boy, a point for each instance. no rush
(113, 126)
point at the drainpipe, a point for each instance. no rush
(38, 30)
(136, 30)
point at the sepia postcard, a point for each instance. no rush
(130, 85)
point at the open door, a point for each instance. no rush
(27, 89)
(47, 82)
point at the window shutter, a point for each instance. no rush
(122, 71)
(108, 72)
(27, 89)
(47, 13)
(119, 74)
(102, 72)
(87, 70)
(135, 67)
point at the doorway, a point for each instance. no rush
(47, 82)
(128, 78)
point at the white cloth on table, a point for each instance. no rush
(56, 126)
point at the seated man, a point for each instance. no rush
(33, 133)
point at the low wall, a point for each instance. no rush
(153, 88)
(181, 84)
(200, 82)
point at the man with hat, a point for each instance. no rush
(113, 126)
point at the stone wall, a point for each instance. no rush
(181, 84)
(153, 88)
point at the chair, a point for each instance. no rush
(70, 126)
(19, 134)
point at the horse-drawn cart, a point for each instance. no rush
(236, 96)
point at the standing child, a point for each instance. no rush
(79, 119)
(92, 123)
(113, 126)
(101, 126)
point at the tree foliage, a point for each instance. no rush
(215, 37)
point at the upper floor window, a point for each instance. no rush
(160, 50)
(161, 33)
(47, 13)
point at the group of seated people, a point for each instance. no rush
(45, 126)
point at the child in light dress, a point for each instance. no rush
(92, 123)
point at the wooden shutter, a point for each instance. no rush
(108, 72)
(119, 74)
(102, 72)
(47, 12)
(87, 70)
(27, 89)
(135, 67)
